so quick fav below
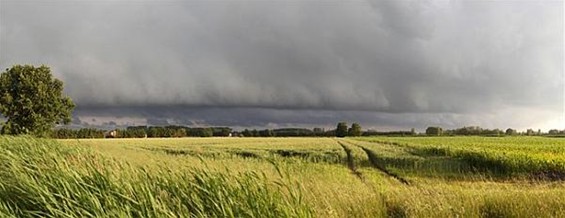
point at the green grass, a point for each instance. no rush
(275, 177)
(536, 157)
(41, 178)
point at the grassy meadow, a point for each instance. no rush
(283, 177)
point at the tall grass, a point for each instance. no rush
(42, 178)
(508, 156)
(327, 188)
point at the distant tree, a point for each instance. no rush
(179, 133)
(510, 131)
(137, 131)
(318, 131)
(553, 132)
(247, 133)
(80, 133)
(355, 130)
(221, 131)
(330, 133)
(207, 132)
(434, 131)
(266, 133)
(226, 131)
(341, 130)
(412, 131)
(530, 132)
(64, 134)
(161, 132)
(293, 132)
(32, 101)
(201, 132)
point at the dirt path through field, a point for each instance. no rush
(351, 161)
(373, 159)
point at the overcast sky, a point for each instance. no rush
(271, 63)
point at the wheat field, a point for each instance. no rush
(283, 177)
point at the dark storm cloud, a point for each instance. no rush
(275, 118)
(303, 61)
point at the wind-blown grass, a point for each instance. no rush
(535, 157)
(233, 177)
(42, 178)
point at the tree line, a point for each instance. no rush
(184, 131)
(341, 130)
(478, 131)
(142, 132)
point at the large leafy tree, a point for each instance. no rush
(341, 130)
(355, 130)
(32, 100)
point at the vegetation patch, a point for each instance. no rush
(395, 209)
(246, 154)
(314, 156)
(548, 176)
(41, 178)
(497, 157)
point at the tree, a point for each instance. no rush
(32, 101)
(221, 131)
(553, 132)
(434, 131)
(510, 131)
(341, 130)
(318, 131)
(355, 130)
(179, 133)
(247, 133)
(207, 132)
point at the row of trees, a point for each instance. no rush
(84, 133)
(284, 132)
(142, 132)
(478, 131)
(183, 131)
(390, 133)
(342, 130)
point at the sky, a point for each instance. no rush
(388, 65)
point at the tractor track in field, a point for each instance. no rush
(351, 162)
(373, 159)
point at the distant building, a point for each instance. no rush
(111, 134)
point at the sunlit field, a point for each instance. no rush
(283, 177)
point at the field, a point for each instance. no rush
(283, 177)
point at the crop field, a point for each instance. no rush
(283, 177)
(536, 157)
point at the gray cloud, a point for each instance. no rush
(274, 118)
(393, 63)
